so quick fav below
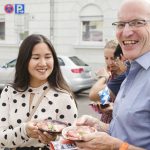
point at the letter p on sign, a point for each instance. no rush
(19, 8)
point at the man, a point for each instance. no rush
(130, 126)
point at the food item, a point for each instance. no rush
(62, 144)
(51, 126)
(76, 132)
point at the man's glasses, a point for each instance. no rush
(136, 23)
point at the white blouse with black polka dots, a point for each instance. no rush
(14, 111)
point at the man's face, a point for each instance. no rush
(134, 37)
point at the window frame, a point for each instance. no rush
(2, 20)
(90, 19)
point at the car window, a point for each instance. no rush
(78, 61)
(11, 64)
(61, 62)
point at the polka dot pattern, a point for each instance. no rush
(43, 110)
(50, 102)
(30, 90)
(5, 137)
(3, 119)
(6, 90)
(23, 96)
(15, 134)
(19, 121)
(23, 104)
(28, 114)
(15, 101)
(45, 87)
(55, 95)
(13, 143)
(69, 124)
(57, 110)
(2, 144)
(14, 92)
(50, 118)
(75, 115)
(68, 107)
(10, 127)
(35, 116)
(62, 116)
(55, 105)
(3, 104)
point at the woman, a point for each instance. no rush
(37, 73)
(112, 76)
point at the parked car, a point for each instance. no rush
(77, 73)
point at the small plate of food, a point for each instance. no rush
(51, 126)
(76, 132)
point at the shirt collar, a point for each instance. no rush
(38, 89)
(144, 60)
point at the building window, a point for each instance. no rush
(91, 23)
(92, 31)
(23, 35)
(22, 25)
(2, 27)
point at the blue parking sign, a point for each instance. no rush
(19, 8)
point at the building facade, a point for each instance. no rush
(75, 27)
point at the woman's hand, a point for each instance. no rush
(46, 137)
(32, 129)
(97, 107)
(33, 132)
(107, 109)
(103, 72)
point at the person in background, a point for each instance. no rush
(111, 77)
(130, 126)
(37, 72)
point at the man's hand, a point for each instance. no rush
(98, 141)
(87, 120)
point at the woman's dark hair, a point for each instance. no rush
(22, 76)
(118, 52)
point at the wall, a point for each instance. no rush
(61, 23)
